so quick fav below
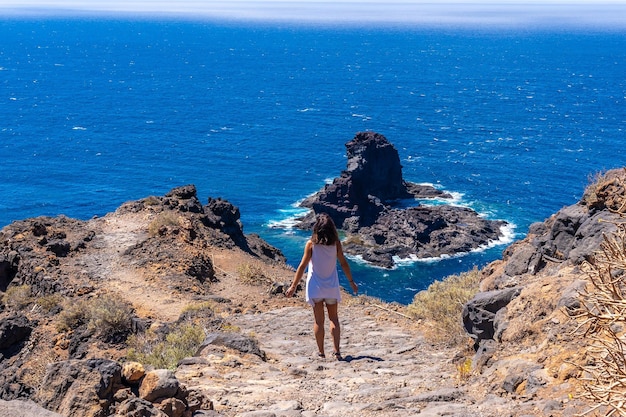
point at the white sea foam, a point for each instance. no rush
(508, 235)
(361, 116)
(79, 128)
(288, 218)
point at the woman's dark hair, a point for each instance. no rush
(324, 230)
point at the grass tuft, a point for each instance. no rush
(252, 274)
(159, 225)
(442, 304)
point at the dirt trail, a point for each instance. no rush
(149, 297)
(389, 369)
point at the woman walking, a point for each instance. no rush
(321, 253)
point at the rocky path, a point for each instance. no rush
(116, 235)
(388, 370)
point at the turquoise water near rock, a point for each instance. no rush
(96, 112)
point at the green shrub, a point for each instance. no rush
(150, 349)
(442, 304)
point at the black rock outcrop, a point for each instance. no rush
(567, 239)
(364, 201)
(371, 183)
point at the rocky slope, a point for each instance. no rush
(173, 261)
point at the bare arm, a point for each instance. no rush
(306, 257)
(346, 268)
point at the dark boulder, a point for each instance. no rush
(8, 268)
(14, 330)
(569, 236)
(480, 312)
(80, 387)
(233, 341)
(371, 181)
(184, 199)
(223, 215)
(137, 407)
(12, 385)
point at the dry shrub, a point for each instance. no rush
(110, 317)
(203, 309)
(603, 312)
(73, 315)
(607, 190)
(252, 274)
(106, 316)
(17, 297)
(49, 302)
(152, 201)
(604, 321)
(464, 369)
(441, 305)
(159, 225)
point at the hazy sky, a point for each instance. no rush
(503, 12)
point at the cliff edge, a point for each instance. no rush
(92, 309)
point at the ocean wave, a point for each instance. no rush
(456, 200)
(289, 217)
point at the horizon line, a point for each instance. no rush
(555, 13)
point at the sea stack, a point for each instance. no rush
(364, 203)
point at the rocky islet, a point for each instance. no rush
(367, 202)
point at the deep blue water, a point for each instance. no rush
(94, 113)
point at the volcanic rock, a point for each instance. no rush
(371, 182)
(365, 202)
(511, 312)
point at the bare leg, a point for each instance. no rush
(318, 326)
(335, 329)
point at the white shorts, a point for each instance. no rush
(328, 301)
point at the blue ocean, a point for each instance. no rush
(96, 112)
